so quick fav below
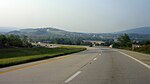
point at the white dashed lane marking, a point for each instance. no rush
(73, 76)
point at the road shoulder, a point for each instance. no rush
(145, 58)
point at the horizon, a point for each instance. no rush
(96, 16)
(17, 29)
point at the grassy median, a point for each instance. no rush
(14, 56)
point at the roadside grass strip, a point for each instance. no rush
(13, 56)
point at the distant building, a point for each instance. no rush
(94, 42)
(46, 41)
(39, 42)
(135, 46)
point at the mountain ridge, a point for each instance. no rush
(140, 30)
(49, 33)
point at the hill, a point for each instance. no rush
(141, 30)
(48, 33)
(38, 31)
(6, 29)
(53, 34)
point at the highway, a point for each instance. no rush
(92, 66)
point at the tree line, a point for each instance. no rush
(14, 41)
(70, 41)
(125, 42)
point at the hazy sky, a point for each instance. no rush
(76, 15)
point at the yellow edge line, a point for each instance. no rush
(32, 65)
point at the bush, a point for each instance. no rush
(13, 41)
(123, 42)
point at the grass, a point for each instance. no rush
(14, 56)
(145, 49)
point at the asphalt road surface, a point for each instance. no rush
(93, 66)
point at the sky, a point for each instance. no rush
(96, 16)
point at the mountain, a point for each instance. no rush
(48, 33)
(141, 30)
(6, 29)
(44, 34)
(38, 31)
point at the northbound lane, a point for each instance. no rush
(93, 66)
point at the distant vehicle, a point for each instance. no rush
(111, 46)
(91, 46)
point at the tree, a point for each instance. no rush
(146, 42)
(3, 40)
(26, 42)
(123, 42)
(14, 40)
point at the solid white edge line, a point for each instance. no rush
(135, 59)
(73, 76)
(95, 59)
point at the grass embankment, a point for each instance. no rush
(14, 56)
(145, 49)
